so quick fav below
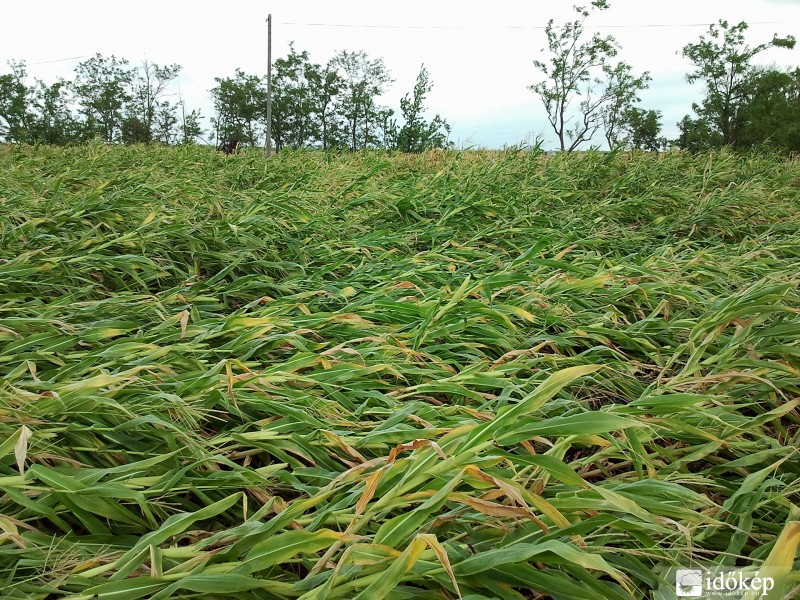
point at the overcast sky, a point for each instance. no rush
(479, 54)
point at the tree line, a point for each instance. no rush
(107, 98)
(583, 88)
(335, 106)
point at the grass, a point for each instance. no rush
(485, 374)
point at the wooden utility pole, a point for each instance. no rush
(269, 86)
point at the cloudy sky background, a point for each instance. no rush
(479, 54)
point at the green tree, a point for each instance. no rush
(580, 68)
(240, 109)
(134, 131)
(364, 80)
(771, 111)
(165, 125)
(15, 109)
(147, 109)
(37, 114)
(642, 129)
(723, 62)
(697, 135)
(622, 94)
(326, 86)
(53, 119)
(189, 128)
(417, 134)
(383, 132)
(102, 86)
(294, 119)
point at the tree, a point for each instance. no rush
(770, 113)
(642, 129)
(190, 128)
(417, 134)
(623, 93)
(147, 105)
(15, 111)
(165, 124)
(113, 100)
(294, 121)
(723, 63)
(134, 131)
(326, 86)
(102, 87)
(363, 81)
(696, 135)
(573, 71)
(373, 128)
(53, 120)
(240, 106)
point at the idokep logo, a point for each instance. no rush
(721, 583)
(689, 583)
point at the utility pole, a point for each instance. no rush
(269, 86)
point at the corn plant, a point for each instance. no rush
(448, 375)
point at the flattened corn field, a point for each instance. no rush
(476, 374)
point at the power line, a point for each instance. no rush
(47, 62)
(203, 35)
(484, 27)
(432, 27)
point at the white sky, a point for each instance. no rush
(479, 54)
